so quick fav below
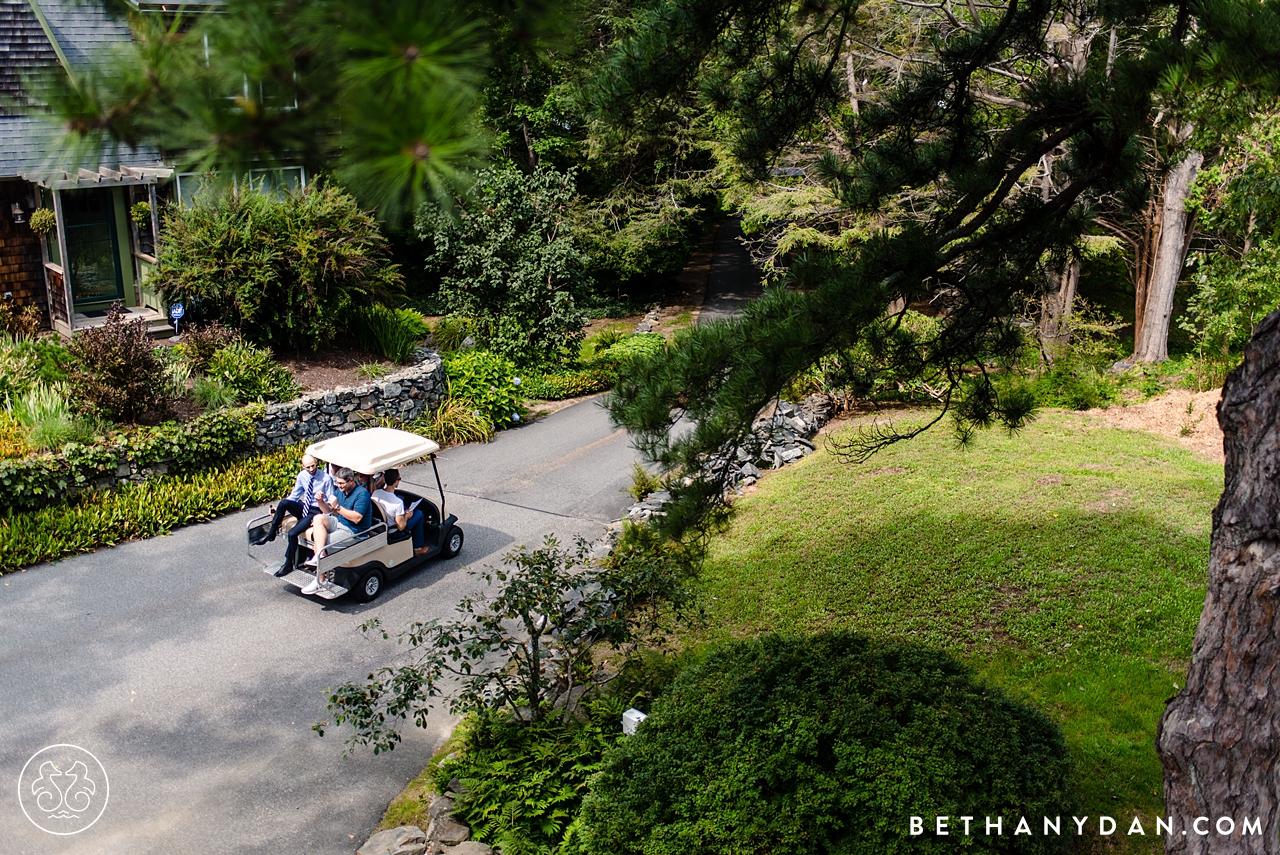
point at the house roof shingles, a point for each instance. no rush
(30, 143)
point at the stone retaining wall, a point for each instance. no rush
(402, 396)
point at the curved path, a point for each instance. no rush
(734, 281)
(195, 678)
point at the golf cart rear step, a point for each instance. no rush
(301, 579)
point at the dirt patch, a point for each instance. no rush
(1188, 417)
(1111, 502)
(333, 368)
(1049, 480)
(892, 470)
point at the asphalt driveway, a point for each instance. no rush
(195, 678)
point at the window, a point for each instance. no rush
(279, 180)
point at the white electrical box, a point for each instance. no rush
(631, 720)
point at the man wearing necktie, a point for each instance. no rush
(312, 481)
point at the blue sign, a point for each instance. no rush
(176, 311)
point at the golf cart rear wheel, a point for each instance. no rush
(370, 586)
(454, 545)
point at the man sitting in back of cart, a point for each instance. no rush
(338, 522)
(394, 510)
(312, 482)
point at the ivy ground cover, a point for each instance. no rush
(1067, 564)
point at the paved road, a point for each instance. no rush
(733, 281)
(195, 678)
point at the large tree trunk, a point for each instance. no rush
(1170, 237)
(1219, 738)
(1056, 307)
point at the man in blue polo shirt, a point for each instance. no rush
(338, 522)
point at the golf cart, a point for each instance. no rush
(365, 563)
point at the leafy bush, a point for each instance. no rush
(1076, 377)
(24, 322)
(200, 343)
(25, 361)
(45, 410)
(33, 482)
(157, 506)
(568, 384)
(488, 383)
(252, 374)
(213, 394)
(631, 347)
(643, 482)
(600, 341)
(117, 370)
(508, 260)
(393, 333)
(451, 330)
(524, 783)
(285, 271)
(825, 744)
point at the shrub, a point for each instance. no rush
(33, 482)
(508, 260)
(631, 347)
(1076, 377)
(568, 384)
(118, 371)
(487, 382)
(177, 372)
(13, 437)
(25, 361)
(43, 221)
(393, 333)
(825, 744)
(455, 422)
(643, 483)
(285, 271)
(50, 421)
(524, 783)
(24, 322)
(154, 507)
(213, 394)
(451, 331)
(200, 343)
(251, 373)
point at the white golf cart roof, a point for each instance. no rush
(373, 450)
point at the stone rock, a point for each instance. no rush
(405, 840)
(469, 847)
(441, 805)
(644, 327)
(447, 830)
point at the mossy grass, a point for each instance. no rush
(1067, 564)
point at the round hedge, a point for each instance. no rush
(827, 744)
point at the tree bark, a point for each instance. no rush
(1056, 307)
(1219, 738)
(1170, 238)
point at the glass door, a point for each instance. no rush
(93, 249)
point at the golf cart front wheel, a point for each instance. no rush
(454, 546)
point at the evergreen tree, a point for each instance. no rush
(943, 165)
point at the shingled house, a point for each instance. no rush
(96, 255)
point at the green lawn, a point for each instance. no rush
(1067, 564)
